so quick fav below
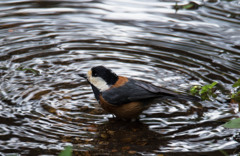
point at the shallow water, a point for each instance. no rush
(147, 40)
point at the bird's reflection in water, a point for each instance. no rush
(120, 137)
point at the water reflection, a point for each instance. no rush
(118, 137)
(150, 41)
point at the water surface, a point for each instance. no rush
(45, 110)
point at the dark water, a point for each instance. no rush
(42, 113)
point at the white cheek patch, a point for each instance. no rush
(98, 82)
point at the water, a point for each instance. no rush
(42, 113)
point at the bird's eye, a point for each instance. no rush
(94, 74)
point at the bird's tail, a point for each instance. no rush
(188, 97)
(180, 96)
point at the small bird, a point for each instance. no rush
(126, 97)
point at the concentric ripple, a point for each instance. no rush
(45, 105)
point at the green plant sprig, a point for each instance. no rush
(34, 71)
(205, 92)
(236, 93)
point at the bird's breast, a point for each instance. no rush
(126, 111)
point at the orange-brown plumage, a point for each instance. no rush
(120, 82)
(125, 111)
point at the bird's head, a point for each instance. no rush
(101, 77)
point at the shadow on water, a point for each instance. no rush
(45, 106)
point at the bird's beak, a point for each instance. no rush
(83, 75)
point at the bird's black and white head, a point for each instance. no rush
(101, 77)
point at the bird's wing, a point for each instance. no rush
(154, 89)
(134, 90)
(165, 93)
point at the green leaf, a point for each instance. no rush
(207, 87)
(204, 97)
(28, 70)
(204, 89)
(213, 84)
(235, 123)
(188, 6)
(236, 96)
(66, 152)
(194, 90)
(236, 84)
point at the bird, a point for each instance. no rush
(125, 97)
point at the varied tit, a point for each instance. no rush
(126, 97)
